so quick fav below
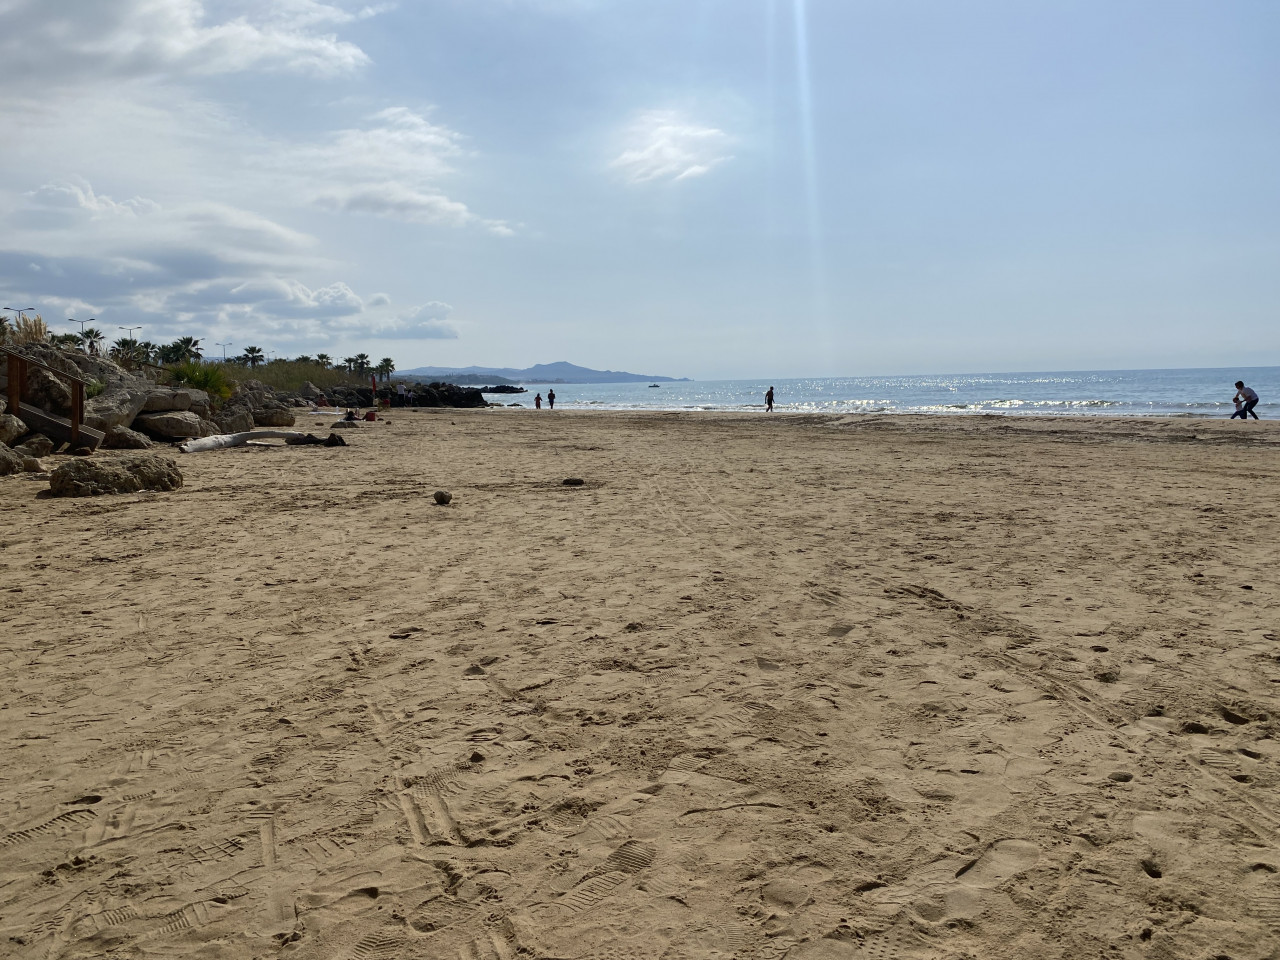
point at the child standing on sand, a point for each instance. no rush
(537, 402)
(1249, 396)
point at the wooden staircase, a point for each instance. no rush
(56, 428)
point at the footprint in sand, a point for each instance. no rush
(1000, 862)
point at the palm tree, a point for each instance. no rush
(324, 360)
(93, 339)
(190, 347)
(127, 351)
(386, 366)
(65, 340)
(147, 352)
(253, 356)
(304, 358)
(362, 363)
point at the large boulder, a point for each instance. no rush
(90, 477)
(311, 391)
(234, 420)
(37, 445)
(10, 462)
(114, 407)
(11, 428)
(201, 405)
(273, 415)
(43, 389)
(173, 425)
(122, 438)
(162, 401)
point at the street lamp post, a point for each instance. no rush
(224, 349)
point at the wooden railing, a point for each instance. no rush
(18, 377)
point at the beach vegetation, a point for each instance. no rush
(212, 378)
(252, 357)
(28, 330)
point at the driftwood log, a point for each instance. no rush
(222, 441)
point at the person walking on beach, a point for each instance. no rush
(401, 392)
(551, 399)
(537, 402)
(1250, 398)
(768, 400)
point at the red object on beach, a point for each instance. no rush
(373, 382)
(371, 415)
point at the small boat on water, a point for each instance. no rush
(652, 385)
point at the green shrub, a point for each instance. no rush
(290, 375)
(210, 377)
(93, 388)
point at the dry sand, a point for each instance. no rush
(882, 687)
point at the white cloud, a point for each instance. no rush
(665, 145)
(389, 168)
(58, 43)
(429, 321)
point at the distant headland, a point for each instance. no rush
(560, 372)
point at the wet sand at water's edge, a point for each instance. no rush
(760, 687)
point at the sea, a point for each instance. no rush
(1086, 393)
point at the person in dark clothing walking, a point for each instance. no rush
(551, 399)
(768, 401)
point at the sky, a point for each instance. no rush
(702, 188)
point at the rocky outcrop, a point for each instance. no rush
(92, 477)
(10, 462)
(122, 438)
(310, 391)
(115, 408)
(43, 389)
(262, 404)
(164, 401)
(173, 425)
(234, 420)
(11, 428)
(447, 395)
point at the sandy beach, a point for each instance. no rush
(760, 687)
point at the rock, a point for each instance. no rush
(572, 481)
(273, 415)
(3, 404)
(442, 497)
(43, 389)
(32, 465)
(122, 438)
(174, 425)
(11, 428)
(81, 451)
(92, 477)
(115, 408)
(201, 405)
(162, 401)
(234, 420)
(311, 391)
(10, 462)
(37, 445)
(333, 440)
(346, 425)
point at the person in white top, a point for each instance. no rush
(1249, 396)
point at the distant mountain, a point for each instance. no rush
(560, 372)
